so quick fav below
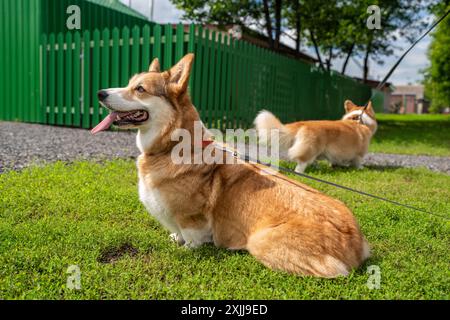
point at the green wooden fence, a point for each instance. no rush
(231, 80)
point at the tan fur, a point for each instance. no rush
(342, 142)
(285, 224)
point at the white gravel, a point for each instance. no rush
(22, 144)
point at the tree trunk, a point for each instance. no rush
(349, 54)
(330, 56)
(268, 23)
(366, 61)
(298, 25)
(277, 23)
(316, 48)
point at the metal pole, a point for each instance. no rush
(152, 4)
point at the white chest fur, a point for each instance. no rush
(154, 203)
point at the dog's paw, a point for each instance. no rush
(191, 244)
(177, 238)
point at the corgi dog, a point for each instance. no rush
(342, 142)
(284, 224)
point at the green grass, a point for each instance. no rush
(88, 214)
(412, 134)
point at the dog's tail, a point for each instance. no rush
(267, 124)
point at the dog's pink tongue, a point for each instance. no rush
(105, 124)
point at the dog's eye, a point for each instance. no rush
(140, 89)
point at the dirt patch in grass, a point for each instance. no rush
(112, 255)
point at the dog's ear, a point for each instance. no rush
(370, 110)
(179, 75)
(349, 106)
(154, 66)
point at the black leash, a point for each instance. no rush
(385, 79)
(247, 159)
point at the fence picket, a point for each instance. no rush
(95, 86)
(198, 68)
(168, 47)
(191, 49)
(205, 68)
(86, 80)
(125, 61)
(157, 43)
(44, 80)
(60, 81)
(68, 84)
(105, 66)
(145, 48)
(115, 58)
(226, 83)
(52, 79)
(135, 50)
(212, 68)
(77, 80)
(179, 49)
(218, 112)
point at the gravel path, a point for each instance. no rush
(22, 144)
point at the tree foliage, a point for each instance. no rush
(334, 28)
(437, 78)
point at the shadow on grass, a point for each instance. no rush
(322, 167)
(207, 251)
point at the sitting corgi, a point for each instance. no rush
(342, 142)
(283, 223)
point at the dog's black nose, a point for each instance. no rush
(102, 95)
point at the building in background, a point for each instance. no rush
(380, 97)
(409, 99)
(256, 38)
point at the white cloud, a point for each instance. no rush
(163, 12)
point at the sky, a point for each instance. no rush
(409, 70)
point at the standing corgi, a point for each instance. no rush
(341, 142)
(283, 223)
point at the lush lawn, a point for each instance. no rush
(89, 215)
(412, 134)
